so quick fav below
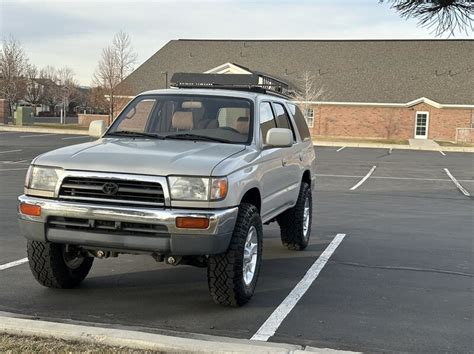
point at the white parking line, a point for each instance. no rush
(4, 152)
(13, 169)
(273, 322)
(398, 178)
(364, 179)
(76, 137)
(35, 135)
(14, 264)
(442, 153)
(14, 162)
(340, 149)
(458, 185)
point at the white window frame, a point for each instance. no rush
(309, 118)
(427, 124)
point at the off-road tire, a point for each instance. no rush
(49, 268)
(291, 221)
(225, 271)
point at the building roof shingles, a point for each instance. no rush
(374, 71)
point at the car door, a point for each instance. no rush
(304, 144)
(272, 179)
(291, 165)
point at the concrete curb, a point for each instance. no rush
(392, 146)
(44, 130)
(143, 340)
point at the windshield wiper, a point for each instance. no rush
(189, 136)
(132, 133)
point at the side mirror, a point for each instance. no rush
(279, 137)
(97, 128)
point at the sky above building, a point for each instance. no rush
(72, 33)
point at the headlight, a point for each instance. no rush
(197, 188)
(42, 178)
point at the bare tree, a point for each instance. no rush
(114, 65)
(442, 16)
(126, 57)
(13, 63)
(106, 76)
(96, 100)
(34, 88)
(51, 91)
(307, 93)
(67, 87)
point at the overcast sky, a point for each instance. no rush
(72, 33)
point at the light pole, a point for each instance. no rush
(166, 78)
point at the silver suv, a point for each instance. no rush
(187, 176)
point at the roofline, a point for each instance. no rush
(326, 40)
(384, 104)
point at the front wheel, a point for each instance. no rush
(295, 223)
(232, 276)
(57, 266)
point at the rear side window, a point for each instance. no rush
(282, 118)
(300, 122)
(267, 120)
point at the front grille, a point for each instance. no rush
(112, 227)
(123, 192)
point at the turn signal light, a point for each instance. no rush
(192, 223)
(30, 209)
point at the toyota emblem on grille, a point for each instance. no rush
(110, 188)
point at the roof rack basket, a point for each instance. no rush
(255, 82)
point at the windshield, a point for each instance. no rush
(186, 117)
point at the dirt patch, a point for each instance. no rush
(26, 344)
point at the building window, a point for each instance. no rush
(309, 116)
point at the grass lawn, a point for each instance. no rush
(450, 143)
(26, 344)
(362, 140)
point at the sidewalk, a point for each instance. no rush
(43, 129)
(393, 146)
(191, 343)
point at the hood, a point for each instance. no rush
(141, 156)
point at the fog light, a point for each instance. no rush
(30, 209)
(192, 223)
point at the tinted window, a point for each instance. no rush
(282, 119)
(300, 122)
(267, 120)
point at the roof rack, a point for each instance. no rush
(242, 82)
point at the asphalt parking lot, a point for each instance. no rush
(400, 280)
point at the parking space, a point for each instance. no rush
(400, 280)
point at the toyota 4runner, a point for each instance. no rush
(185, 175)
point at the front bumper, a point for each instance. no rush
(168, 240)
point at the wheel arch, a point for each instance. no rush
(306, 177)
(253, 196)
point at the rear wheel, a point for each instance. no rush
(232, 276)
(295, 223)
(56, 265)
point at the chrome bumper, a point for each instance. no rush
(171, 240)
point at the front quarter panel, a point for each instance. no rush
(242, 174)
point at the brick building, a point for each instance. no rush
(393, 89)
